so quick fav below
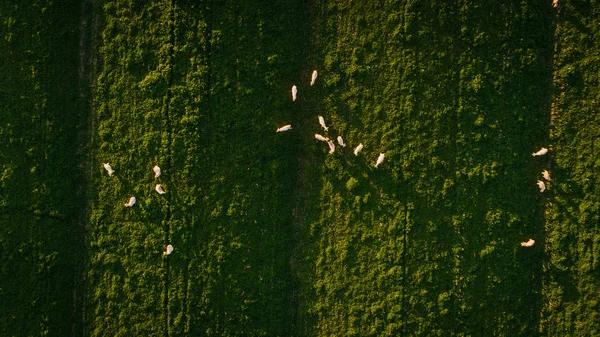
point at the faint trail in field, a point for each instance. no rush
(556, 80)
(85, 139)
(208, 38)
(169, 132)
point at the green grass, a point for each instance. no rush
(41, 239)
(573, 208)
(272, 235)
(429, 243)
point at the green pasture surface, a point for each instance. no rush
(41, 241)
(457, 97)
(572, 264)
(198, 89)
(272, 235)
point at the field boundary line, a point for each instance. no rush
(169, 132)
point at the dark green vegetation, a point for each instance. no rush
(428, 244)
(572, 267)
(199, 90)
(272, 235)
(41, 240)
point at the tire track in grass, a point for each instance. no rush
(191, 153)
(169, 132)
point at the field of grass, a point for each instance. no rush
(272, 235)
(572, 265)
(41, 237)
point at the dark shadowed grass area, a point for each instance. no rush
(41, 240)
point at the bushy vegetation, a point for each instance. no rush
(273, 236)
(572, 268)
(41, 240)
(199, 90)
(428, 243)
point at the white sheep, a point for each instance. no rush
(284, 128)
(109, 169)
(168, 251)
(159, 189)
(157, 171)
(541, 185)
(528, 243)
(331, 146)
(314, 77)
(341, 141)
(294, 93)
(380, 159)
(322, 122)
(321, 138)
(358, 149)
(546, 175)
(541, 152)
(131, 202)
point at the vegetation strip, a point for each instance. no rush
(273, 234)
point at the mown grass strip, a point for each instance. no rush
(40, 234)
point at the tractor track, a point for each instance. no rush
(167, 116)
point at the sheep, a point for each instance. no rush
(528, 243)
(546, 175)
(168, 251)
(331, 146)
(541, 185)
(131, 202)
(380, 159)
(294, 93)
(109, 169)
(157, 171)
(321, 138)
(322, 122)
(341, 141)
(358, 149)
(284, 128)
(314, 78)
(541, 152)
(159, 189)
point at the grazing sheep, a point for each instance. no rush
(284, 128)
(109, 169)
(341, 141)
(541, 185)
(358, 149)
(321, 138)
(322, 122)
(168, 251)
(159, 189)
(314, 77)
(380, 159)
(331, 146)
(294, 93)
(541, 152)
(546, 175)
(156, 170)
(528, 243)
(131, 202)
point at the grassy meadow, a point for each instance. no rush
(41, 181)
(272, 235)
